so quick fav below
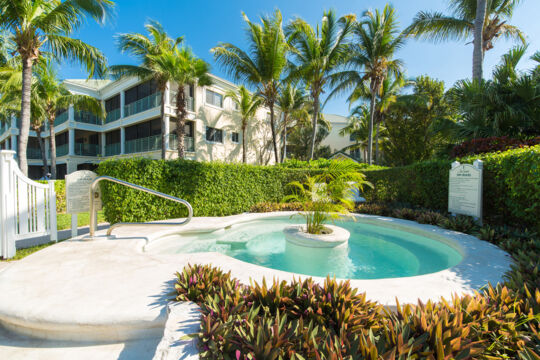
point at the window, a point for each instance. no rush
(214, 135)
(214, 98)
(236, 106)
(352, 137)
(188, 129)
(140, 91)
(112, 103)
(235, 137)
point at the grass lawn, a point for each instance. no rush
(63, 222)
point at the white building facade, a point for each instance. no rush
(132, 127)
(339, 142)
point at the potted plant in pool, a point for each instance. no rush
(325, 198)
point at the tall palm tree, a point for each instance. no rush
(376, 40)
(184, 68)
(292, 100)
(45, 26)
(318, 54)
(247, 105)
(478, 54)
(262, 65)
(147, 49)
(388, 94)
(462, 23)
(55, 97)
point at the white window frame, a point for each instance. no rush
(238, 134)
(214, 142)
(216, 92)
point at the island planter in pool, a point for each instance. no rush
(334, 237)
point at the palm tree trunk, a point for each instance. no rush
(181, 114)
(314, 124)
(52, 142)
(274, 139)
(244, 160)
(163, 124)
(284, 137)
(478, 57)
(43, 152)
(25, 114)
(377, 142)
(371, 119)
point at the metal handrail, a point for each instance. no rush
(93, 212)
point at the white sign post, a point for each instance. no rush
(77, 188)
(465, 189)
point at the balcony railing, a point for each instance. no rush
(87, 118)
(112, 149)
(86, 149)
(150, 143)
(189, 100)
(112, 115)
(189, 143)
(143, 104)
(33, 153)
(4, 126)
(62, 118)
(62, 150)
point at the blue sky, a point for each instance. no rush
(205, 23)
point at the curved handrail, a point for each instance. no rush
(93, 216)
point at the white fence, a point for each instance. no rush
(27, 208)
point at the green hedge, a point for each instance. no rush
(511, 185)
(60, 189)
(213, 189)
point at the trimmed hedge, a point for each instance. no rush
(213, 189)
(511, 185)
(60, 189)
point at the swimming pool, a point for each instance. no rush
(375, 249)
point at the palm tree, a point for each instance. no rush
(318, 54)
(44, 26)
(147, 49)
(262, 65)
(389, 91)
(478, 54)
(55, 97)
(183, 67)
(465, 21)
(357, 128)
(376, 40)
(292, 100)
(247, 105)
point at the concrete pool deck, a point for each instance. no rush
(111, 290)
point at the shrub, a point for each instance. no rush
(302, 319)
(511, 185)
(60, 189)
(213, 189)
(491, 144)
(273, 206)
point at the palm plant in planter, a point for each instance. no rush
(329, 195)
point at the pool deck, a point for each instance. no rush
(112, 291)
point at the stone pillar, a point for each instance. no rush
(103, 139)
(14, 142)
(122, 102)
(71, 139)
(122, 140)
(13, 121)
(71, 113)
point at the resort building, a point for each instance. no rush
(339, 143)
(132, 127)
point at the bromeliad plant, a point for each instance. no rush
(328, 195)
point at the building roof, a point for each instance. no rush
(93, 84)
(336, 119)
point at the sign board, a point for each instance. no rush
(465, 189)
(78, 192)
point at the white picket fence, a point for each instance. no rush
(27, 208)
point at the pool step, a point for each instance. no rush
(234, 244)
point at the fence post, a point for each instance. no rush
(52, 211)
(7, 201)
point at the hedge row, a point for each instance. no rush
(213, 189)
(511, 185)
(60, 189)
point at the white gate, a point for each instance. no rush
(27, 208)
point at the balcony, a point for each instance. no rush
(189, 143)
(62, 118)
(150, 143)
(86, 149)
(112, 115)
(33, 153)
(62, 150)
(189, 100)
(87, 118)
(4, 126)
(112, 149)
(143, 104)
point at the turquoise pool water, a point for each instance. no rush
(373, 252)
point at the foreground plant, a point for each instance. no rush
(329, 195)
